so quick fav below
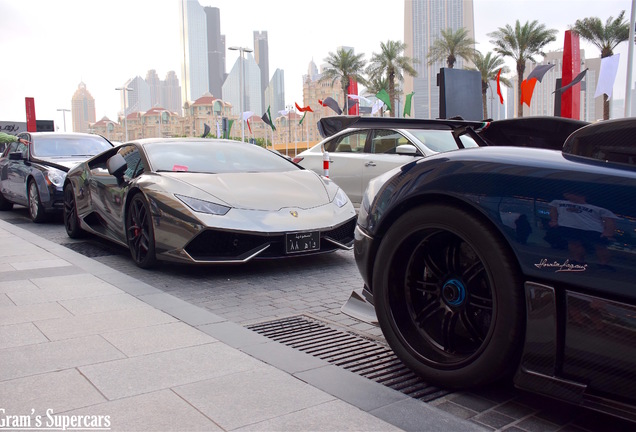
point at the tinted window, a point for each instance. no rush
(64, 146)
(353, 142)
(441, 140)
(385, 141)
(214, 157)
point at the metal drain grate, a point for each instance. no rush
(91, 250)
(351, 352)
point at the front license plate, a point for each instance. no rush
(302, 242)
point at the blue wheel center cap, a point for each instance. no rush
(454, 292)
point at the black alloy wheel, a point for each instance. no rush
(71, 220)
(448, 297)
(36, 209)
(140, 233)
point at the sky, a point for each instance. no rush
(50, 47)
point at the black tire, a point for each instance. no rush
(36, 209)
(448, 297)
(140, 234)
(71, 221)
(5, 204)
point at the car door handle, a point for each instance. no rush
(370, 164)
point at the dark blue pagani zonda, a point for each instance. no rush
(494, 261)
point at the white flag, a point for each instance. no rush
(247, 115)
(607, 76)
(376, 106)
(358, 97)
(283, 112)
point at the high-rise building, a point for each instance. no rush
(252, 95)
(82, 109)
(171, 93)
(194, 45)
(423, 22)
(154, 85)
(216, 51)
(261, 54)
(137, 100)
(275, 92)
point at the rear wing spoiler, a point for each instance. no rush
(328, 126)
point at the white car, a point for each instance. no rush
(361, 148)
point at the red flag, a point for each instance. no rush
(499, 87)
(307, 108)
(248, 126)
(527, 88)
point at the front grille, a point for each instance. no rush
(354, 353)
(212, 245)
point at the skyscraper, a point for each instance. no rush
(171, 93)
(423, 22)
(275, 92)
(194, 45)
(261, 54)
(252, 95)
(82, 109)
(216, 51)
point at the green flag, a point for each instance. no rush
(384, 97)
(407, 104)
(301, 120)
(267, 118)
(226, 135)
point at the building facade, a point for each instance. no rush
(261, 55)
(275, 92)
(252, 99)
(194, 47)
(82, 109)
(423, 22)
(216, 51)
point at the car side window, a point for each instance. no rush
(386, 141)
(133, 160)
(350, 143)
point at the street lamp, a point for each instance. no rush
(123, 91)
(64, 111)
(241, 84)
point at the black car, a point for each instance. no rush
(491, 262)
(33, 175)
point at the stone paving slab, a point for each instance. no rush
(157, 411)
(143, 374)
(241, 399)
(93, 324)
(60, 391)
(52, 356)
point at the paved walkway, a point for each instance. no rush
(84, 346)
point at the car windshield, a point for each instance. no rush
(69, 146)
(211, 156)
(441, 140)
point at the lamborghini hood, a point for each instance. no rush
(260, 191)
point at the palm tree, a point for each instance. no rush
(522, 43)
(391, 64)
(605, 38)
(488, 66)
(344, 65)
(450, 45)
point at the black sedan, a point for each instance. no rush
(32, 175)
(493, 262)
